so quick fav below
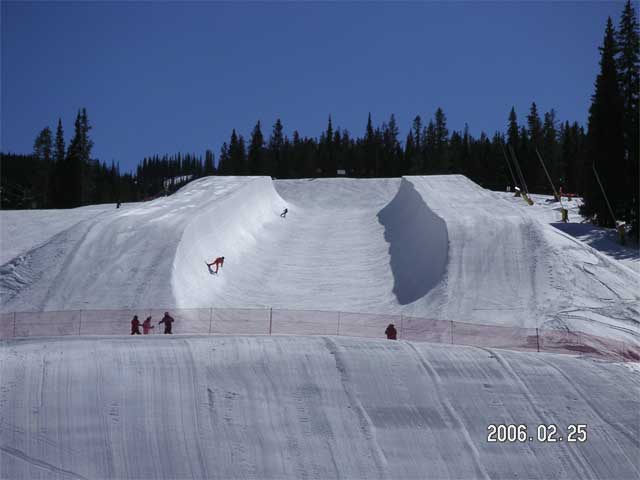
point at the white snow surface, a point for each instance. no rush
(436, 246)
(305, 407)
(604, 240)
(25, 230)
(174, 407)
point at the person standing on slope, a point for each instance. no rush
(146, 326)
(284, 213)
(391, 332)
(218, 262)
(135, 325)
(167, 320)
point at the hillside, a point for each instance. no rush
(305, 407)
(436, 247)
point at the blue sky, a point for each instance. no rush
(163, 77)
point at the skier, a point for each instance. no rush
(391, 332)
(135, 325)
(218, 262)
(284, 213)
(146, 326)
(167, 320)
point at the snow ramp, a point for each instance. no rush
(305, 407)
(117, 259)
(418, 244)
(233, 227)
(506, 267)
(351, 245)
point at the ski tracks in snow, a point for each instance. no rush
(366, 425)
(579, 464)
(446, 405)
(34, 267)
(14, 452)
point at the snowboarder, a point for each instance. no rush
(135, 325)
(284, 213)
(167, 320)
(391, 332)
(218, 262)
(146, 326)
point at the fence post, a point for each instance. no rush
(451, 331)
(14, 324)
(537, 339)
(80, 323)
(270, 319)
(338, 332)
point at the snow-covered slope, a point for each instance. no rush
(25, 230)
(605, 240)
(237, 227)
(507, 266)
(436, 246)
(300, 407)
(117, 259)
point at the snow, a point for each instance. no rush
(187, 406)
(24, 230)
(602, 239)
(116, 259)
(305, 407)
(436, 247)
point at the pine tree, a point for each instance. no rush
(429, 149)
(606, 138)
(531, 169)
(60, 169)
(59, 152)
(209, 164)
(42, 153)
(257, 164)
(512, 131)
(550, 151)
(276, 143)
(76, 170)
(572, 153)
(391, 149)
(224, 167)
(237, 155)
(328, 151)
(370, 150)
(442, 160)
(628, 40)
(408, 155)
(416, 159)
(241, 161)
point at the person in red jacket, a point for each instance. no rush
(391, 332)
(218, 262)
(167, 320)
(146, 326)
(135, 325)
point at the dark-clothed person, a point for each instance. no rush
(135, 326)
(167, 320)
(391, 332)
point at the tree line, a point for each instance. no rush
(57, 177)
